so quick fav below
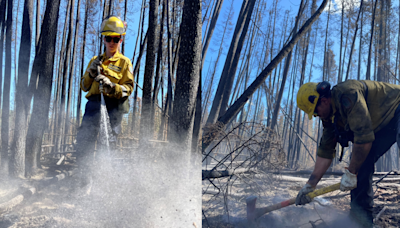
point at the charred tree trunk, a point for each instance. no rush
(21, 107)
(187, 78)
(380, 76)
(68, 122)
(368, 74)
(214, 18)
(222, 94)
(354, 41)
(241, 101)
(168, 103)
(339, 79)
(135, 96)
(56, 105)
(125, 12)
(62, 115)
(146, 132)
(154, 106)
(285, 72)
(78, 105)
(43, 71)
(4, 153)
(360, 45)
(38, 20)
(5, 114)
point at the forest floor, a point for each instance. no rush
(105, 202)
(330, 210)
(134, 189)
(67, 204)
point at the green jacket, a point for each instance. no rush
(363, 117)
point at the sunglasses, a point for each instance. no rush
(115, 39)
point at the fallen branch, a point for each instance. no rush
(207, 174)
(334, 173)
(26, 193)
(390, 180)
(17, 199)
(380, 213)
(304, 172)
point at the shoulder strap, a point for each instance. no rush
(366, 91)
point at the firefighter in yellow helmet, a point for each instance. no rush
(116, 74)
(364, 112)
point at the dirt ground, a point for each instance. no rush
(67, 204)
(137, 190)
(330, 210)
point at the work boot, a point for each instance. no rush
(362, 217)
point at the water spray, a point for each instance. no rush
(105, 126)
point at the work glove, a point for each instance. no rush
(108, 87)
(349, 181)
(92, 70)
(100, 77)
(302, 197)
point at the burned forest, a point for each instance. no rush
(212, 113)
(259, 148)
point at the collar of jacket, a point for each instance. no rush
(114, 58)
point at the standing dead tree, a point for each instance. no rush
(18, 145)
(5, 112)
(146, 130)
(43, 72)
(208, 136)
(223, 92)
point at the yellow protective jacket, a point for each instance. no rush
(118, 69)
(353, 113)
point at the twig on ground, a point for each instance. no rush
(205, 217)
(320, 216)
(380, 213)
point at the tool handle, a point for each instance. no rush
(325, 190)
(254, 213)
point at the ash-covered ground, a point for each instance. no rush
(157, 189)
(228, 208)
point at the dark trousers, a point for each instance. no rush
(362, 196)
(89, 129)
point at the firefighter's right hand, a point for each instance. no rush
(302, 197)
(92, 70)
(100, 77)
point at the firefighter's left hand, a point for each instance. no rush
(349, 181)
(108, 87)
(101, 77)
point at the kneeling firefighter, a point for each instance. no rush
(115, 72)
(364, 112)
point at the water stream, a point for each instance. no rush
(105, 127)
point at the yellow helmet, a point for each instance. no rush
(113, 26)
(307, 98)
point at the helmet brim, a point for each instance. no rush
(112, 34)
(311, 113)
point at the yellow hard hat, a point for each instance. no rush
(307, 98)
(113, 26)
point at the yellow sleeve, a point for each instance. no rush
(124, 87)
(86, 80)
